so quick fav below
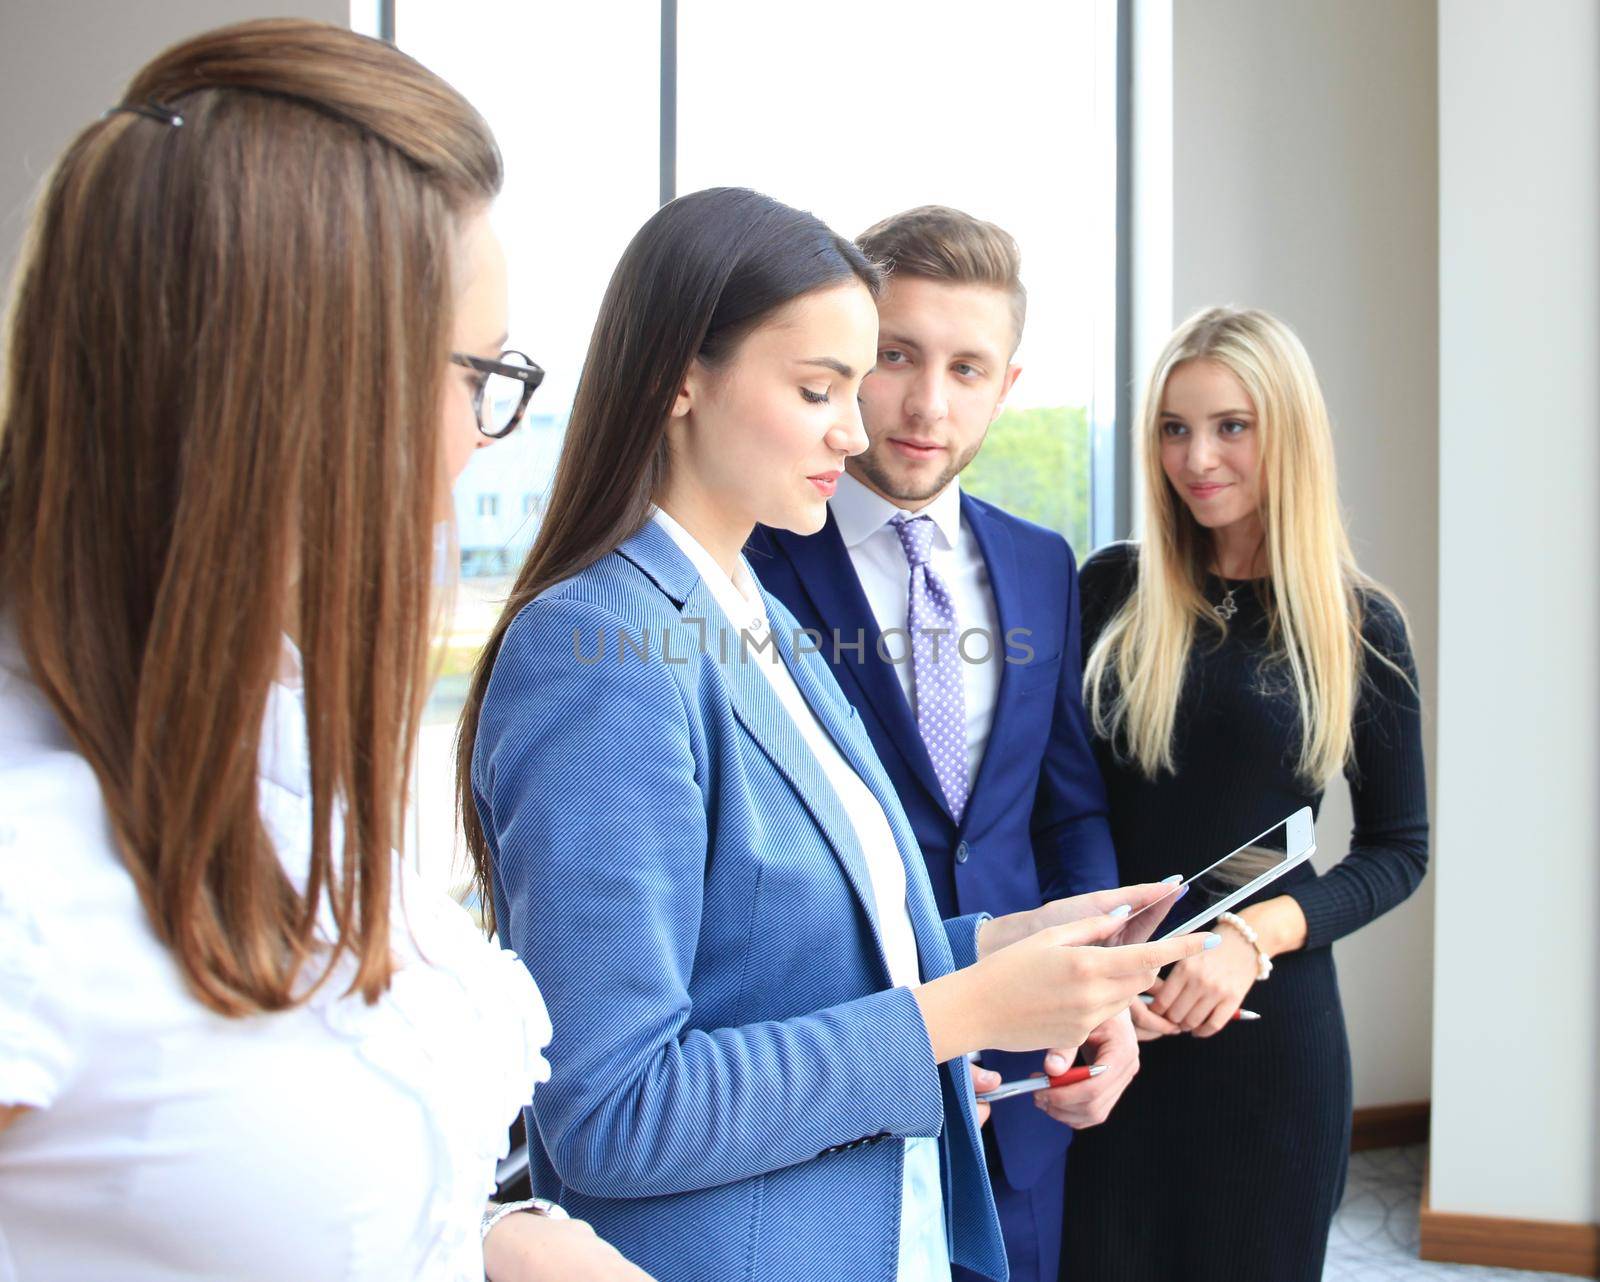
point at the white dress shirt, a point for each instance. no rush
(165, 1141)
(880, 562)
(924, 1245)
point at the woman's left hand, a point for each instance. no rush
(1148, 1027)
(1084, 1104)
(1001, 932)
(1200, 994)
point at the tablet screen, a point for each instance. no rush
(1231, 880)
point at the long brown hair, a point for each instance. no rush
(697, 278)
(226, 353)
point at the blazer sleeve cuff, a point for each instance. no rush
(963, 933)
(910, 1086)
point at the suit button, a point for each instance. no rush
(962, 852)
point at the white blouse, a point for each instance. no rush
(337, 1140)
(924, 1243)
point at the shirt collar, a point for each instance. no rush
(861, 513)
(737, 597)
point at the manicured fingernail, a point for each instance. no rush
(1212, 941)
(1149, 999)
(1172, 880)
(1054, 1065)
(1121, 910)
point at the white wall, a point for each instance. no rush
(1517, 1034)
(1305, 182)
(63, 62)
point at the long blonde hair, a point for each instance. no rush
(1135, 671)
(227, 349)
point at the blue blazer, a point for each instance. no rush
(685, 887)
(1035, 826)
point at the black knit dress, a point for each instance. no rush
(1226, 1157)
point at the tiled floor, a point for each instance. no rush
(1375, 1232)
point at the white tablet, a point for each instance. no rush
(1231, 880)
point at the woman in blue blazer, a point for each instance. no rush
(683, 828)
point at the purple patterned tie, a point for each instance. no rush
(936, 664)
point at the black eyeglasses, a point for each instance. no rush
(501, 396)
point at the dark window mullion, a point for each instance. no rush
(669, 100)
(1121, 460)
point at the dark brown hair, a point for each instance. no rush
(696, 279)
(226, 354)
(936, 242)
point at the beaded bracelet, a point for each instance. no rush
(1263, 962)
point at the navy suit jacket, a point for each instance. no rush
(1035, 826)
(683, 883)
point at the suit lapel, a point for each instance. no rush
(755, 704)
(1000, 556)
(823, 565)
(812, 677)
(762, 714)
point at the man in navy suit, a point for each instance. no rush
(953, 629)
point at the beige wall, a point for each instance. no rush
(1304, 181)
(63, 62)
(1517, 981)
(1417, 190)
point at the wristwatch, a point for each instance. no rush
(493, 1213)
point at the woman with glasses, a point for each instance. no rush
(501, 390)
(237, 1039)
(684, 829)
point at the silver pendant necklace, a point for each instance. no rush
(1226, 608)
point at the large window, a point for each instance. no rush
(851, 108)
(572, 92)
(857, 110)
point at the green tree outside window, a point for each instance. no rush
(1035, 464)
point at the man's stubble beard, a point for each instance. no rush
(881, 480)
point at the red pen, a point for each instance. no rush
(1073, 1075)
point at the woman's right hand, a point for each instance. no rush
(1049, 989)
(535, 1248)
(1001, 932)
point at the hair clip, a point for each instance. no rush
(149, 107)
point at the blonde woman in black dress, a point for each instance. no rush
(1237, 661)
